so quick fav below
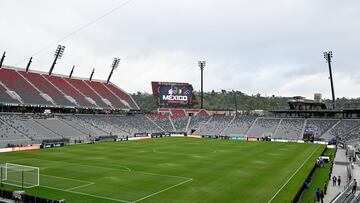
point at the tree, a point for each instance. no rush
(250, 104)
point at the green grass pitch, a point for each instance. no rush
(171, 170)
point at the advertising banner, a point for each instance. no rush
(16, 149)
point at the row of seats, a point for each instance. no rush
(240, 125)
(214, 126)
(5, 97)
(20, 127)
(32, 88)
(290, 128)
(344, 128)
(14, 82)
(46, 87)
(263, 126)
(321, 125)
(163, 121)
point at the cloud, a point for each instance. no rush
(270, 47)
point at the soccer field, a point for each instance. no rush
(171, 170)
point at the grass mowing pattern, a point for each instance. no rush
(171, 170)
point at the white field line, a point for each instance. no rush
(87, 183)
(110, 168)
(89, 166)
(163, 175)
(86, 194)
(84, 181)
(168, 188)
(297, 170)
(81, 186)
(18, 185)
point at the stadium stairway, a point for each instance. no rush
(105, 92)
(201, 127)
(227, 126)
(251, 126)
(277, 127)
(172, 123)
(48, 88)
(155, 123)
(4, 96)
(71, 91)
(29, 94)
(304, 127)
(188, 124)
(327, 134)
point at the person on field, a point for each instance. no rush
(317, 193)
(339, 180)
(325, 187)
(334, 180)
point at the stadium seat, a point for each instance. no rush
(46, 87)
(15, 82)
(70, 91)
(121, 94)
(107, 94)
(5, 98)
(87, 91)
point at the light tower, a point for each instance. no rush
(2, 58)
(202, 65)
(92, 73)
(71, 72)
(235, 101)
(58, 54)
(28, 64)
(114, 65)
(328, 56)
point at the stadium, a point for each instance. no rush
(65, 138)
(88, 141)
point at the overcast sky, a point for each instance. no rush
(255, 46)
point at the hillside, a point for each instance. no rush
(225, 100)
(220, 101)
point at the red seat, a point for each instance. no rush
(43, 85)
(176, 113)
(87, 91)
(29, 95)
(122, 95)
(69, 90)
(106, 93)
(5, 98)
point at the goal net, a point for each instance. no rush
(20, 175)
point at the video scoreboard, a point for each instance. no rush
(172, 94)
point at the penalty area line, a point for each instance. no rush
(297, 170)
(163, 190)
(64, 178)
(81, 186)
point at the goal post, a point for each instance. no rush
(20, 175)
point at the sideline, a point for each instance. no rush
(293, 175)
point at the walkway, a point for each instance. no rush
(339, 169)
